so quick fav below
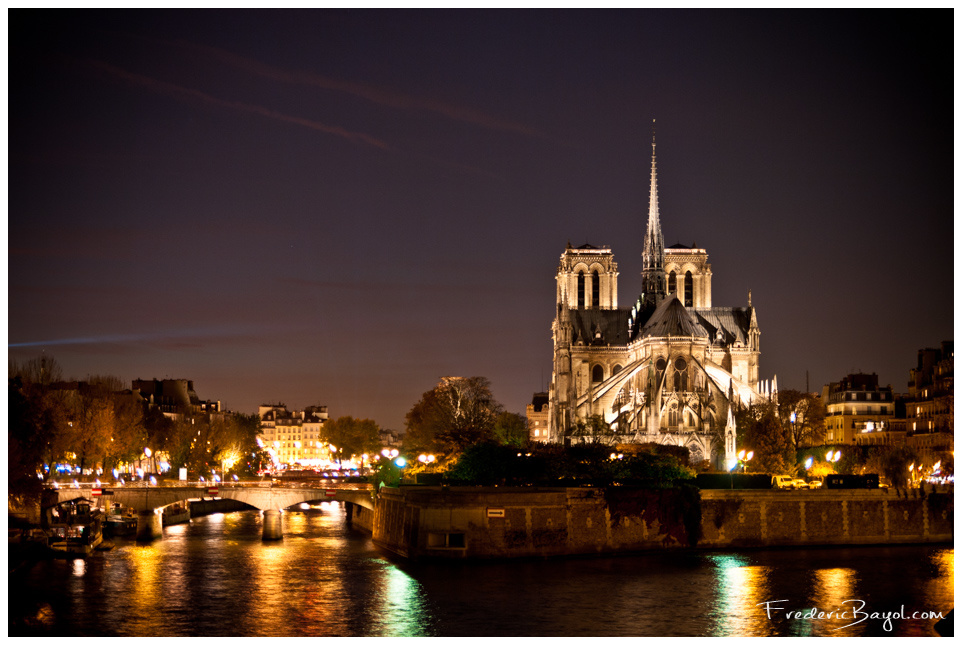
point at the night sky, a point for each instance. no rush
(341, 207)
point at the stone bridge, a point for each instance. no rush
(149, 502)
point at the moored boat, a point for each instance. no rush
(76, 531)
(120, 525)
(176, 514)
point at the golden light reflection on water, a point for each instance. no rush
(939, 591)
(267, 564)
(146, 593)
(739, 588)
(834, 591)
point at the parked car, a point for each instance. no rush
(783, 482)
(799, 483)
(815, 483)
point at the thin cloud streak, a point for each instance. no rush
(364, 91)
(191, 338)
(187, 94)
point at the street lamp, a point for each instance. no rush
(743, 457)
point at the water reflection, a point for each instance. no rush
(217, 577)
(835, 596)
(939, 589)
(400, 609)
(740, 587)
(145, 597)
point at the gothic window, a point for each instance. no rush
(615, 369)
(581, 290)
(673, 415)
(597, 374)
(595, 290)
(689, 289)
(681, 375)
(672, 283)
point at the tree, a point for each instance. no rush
(93, 424)
(25, 447)
(247, 427)
(127, 434)
(458, 412)
(760, 431)
(352, 437)
(41, 424)
(892, 463)
(160, 431)
(809, 424)
(511, 429)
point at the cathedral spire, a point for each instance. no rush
(653, 256)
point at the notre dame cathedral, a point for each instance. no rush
(670, 369)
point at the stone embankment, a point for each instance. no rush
(482, 523)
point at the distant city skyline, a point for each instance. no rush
(340, 207)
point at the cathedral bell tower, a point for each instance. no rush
(653, 256)
(587, 278)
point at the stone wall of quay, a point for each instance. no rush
(479, 523)
(360, 517)
(822, 517)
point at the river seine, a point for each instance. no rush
(215, 577)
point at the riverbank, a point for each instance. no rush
(499, 523)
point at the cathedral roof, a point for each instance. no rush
(599, 326)
(733, 321)
(671, 318)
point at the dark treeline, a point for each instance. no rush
(98, 425)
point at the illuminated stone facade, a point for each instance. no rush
(293, 437)
(667, 370)
(930, 404)
(856, 407)
(537, 415)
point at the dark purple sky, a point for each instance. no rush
(341, 207)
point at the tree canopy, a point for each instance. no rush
(457, 412)
(761, 431)
(808, 426)
(352, 437)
